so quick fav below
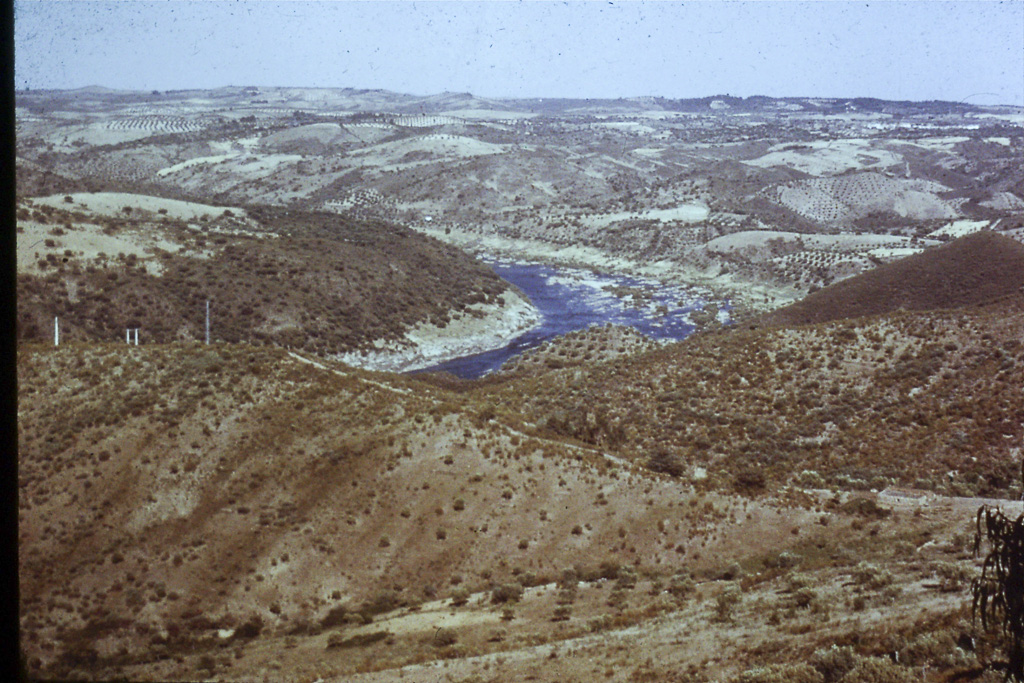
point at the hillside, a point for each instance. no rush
(971, 270)
(754, 409)
(241, 513)
(319, 282)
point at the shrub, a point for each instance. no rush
(251, 628)
(626, 578)
(936, 648)
(786, 560)
(878, 670)
(666, 462)
(384, 601)
(749, 480)
(507, 592)
(732, 572)
(359, 640)
(726, 603)
(952, 576)
(835, 662)
(460, 596)
(809, 479)
(336, 616)
(804, 597)
(444, 637)
(680, 586)
(780, 673)
(871, 576)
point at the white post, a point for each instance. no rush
(136, 336)
(127, 336)
(207, 322)
(56, 331)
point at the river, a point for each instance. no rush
(570, 299)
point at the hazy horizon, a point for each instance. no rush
(913, 51)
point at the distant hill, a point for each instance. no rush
(971, 270)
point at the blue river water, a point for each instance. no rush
(571, 299)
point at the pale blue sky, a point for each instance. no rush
(927, 49)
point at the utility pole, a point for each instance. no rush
(136, 336)
(127, 335)
(56, 331)
(207, 322)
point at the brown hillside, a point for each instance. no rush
(173, 493)
(970, 270)
(319, 282)
(752, 409)
(233, 513)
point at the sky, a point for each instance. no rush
(901, 50)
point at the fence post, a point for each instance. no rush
(56, 331)
(207, 322)
(136, 336)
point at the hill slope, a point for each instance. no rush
(971, 270)
(236, 512)
(319, 282)
(752, 409)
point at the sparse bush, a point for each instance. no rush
(626, 578)
(804, 597)
(336, 616)
(681, 586)
(780, 673)
(871, 576)
(878, 670)
(937, 648)
(732, 572)
(786, 560)
(952, 577)
(251, 628)
(666, 462)
(460, 596)
(444, 637)
(726, 603)
(359, 640)
(835, 662)
(506, 592)
(384, 601)
(609, 569)
(809, 479)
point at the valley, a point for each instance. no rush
(745, 370)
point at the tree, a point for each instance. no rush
(998, 594)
